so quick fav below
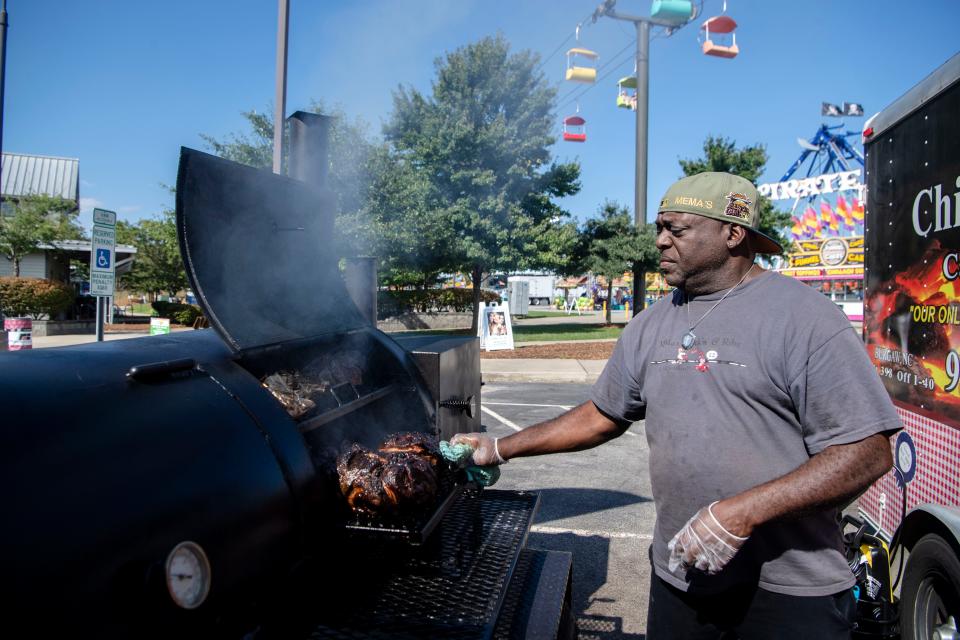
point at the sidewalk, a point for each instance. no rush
(537, 370)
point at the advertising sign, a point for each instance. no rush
(159, 326)
(496, 331)
(913, 280)
(102, 254)
(829, 258)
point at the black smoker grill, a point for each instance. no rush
(116, 454)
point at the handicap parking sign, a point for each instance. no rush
(103, 258)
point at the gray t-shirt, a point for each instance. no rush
(776, 375)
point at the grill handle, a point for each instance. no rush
(155, 371)
(459, 404)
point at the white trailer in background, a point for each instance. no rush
(542, 286)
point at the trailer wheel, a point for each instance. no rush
(931, 590)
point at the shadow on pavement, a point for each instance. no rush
(590, 576)
(559, 503)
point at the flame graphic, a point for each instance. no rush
(890, 323)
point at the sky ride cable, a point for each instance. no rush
(569, 97)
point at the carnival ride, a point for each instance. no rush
(666, 15)
(827, 237)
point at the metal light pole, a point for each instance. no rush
(3, 68)
(640, 177)
(280, 100)
(643, 25)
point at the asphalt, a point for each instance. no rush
(595, 504)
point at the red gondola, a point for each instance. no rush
(574, 129)
(726, 45)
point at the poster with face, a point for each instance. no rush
(495, 325)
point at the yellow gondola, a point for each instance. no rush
(582, 65)
(627, 93)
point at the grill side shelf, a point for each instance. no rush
(454, 586)
(309, 425)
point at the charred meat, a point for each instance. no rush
(414, 443)
(293, 392)
(398, 480)
(360, 469)
(409, 482)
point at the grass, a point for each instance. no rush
(546, 314)
(558, 332)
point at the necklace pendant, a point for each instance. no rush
(688, 339)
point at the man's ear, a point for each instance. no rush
(736, 236)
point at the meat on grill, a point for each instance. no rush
(413, 442)
(409, 482)
(359, 469)
(397, 480)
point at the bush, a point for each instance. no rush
(393, 303)
(185, 314)
(34, 297)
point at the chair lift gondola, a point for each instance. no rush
(726, 45)
(627, 93)
(574, 129)
(581, 65)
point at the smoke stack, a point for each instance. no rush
(309, 144)
(309, 163)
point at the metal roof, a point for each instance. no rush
(25, 175)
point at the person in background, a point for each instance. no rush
(763, 416)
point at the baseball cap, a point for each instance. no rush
(721, 196)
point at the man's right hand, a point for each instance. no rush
(485, 452)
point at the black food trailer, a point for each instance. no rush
(159, 487)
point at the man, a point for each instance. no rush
(763, 416)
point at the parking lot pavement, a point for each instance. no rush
(595, 504)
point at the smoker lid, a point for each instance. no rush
(259, 253)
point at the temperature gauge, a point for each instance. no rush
(188, 575)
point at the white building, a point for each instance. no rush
(25, 175)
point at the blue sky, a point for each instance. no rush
(122, 84)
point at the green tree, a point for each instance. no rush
(477, 149)
(609, 246)
(722, 154)
(157, 265)
(36, 221)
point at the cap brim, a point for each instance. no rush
(762, 243)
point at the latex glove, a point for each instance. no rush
(485, 452)
(703, 543)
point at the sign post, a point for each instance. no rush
(102, 259)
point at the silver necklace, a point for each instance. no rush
(690, 337)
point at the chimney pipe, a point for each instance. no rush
(309, 142)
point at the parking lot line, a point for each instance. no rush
(503, 421)
(521, 404)
(588, 532)
(507, 423)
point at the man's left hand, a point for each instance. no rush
(704, 544)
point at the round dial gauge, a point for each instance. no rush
(188, 575)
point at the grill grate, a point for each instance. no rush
(453, 586)
(416, 529)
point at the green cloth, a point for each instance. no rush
(459, 454)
